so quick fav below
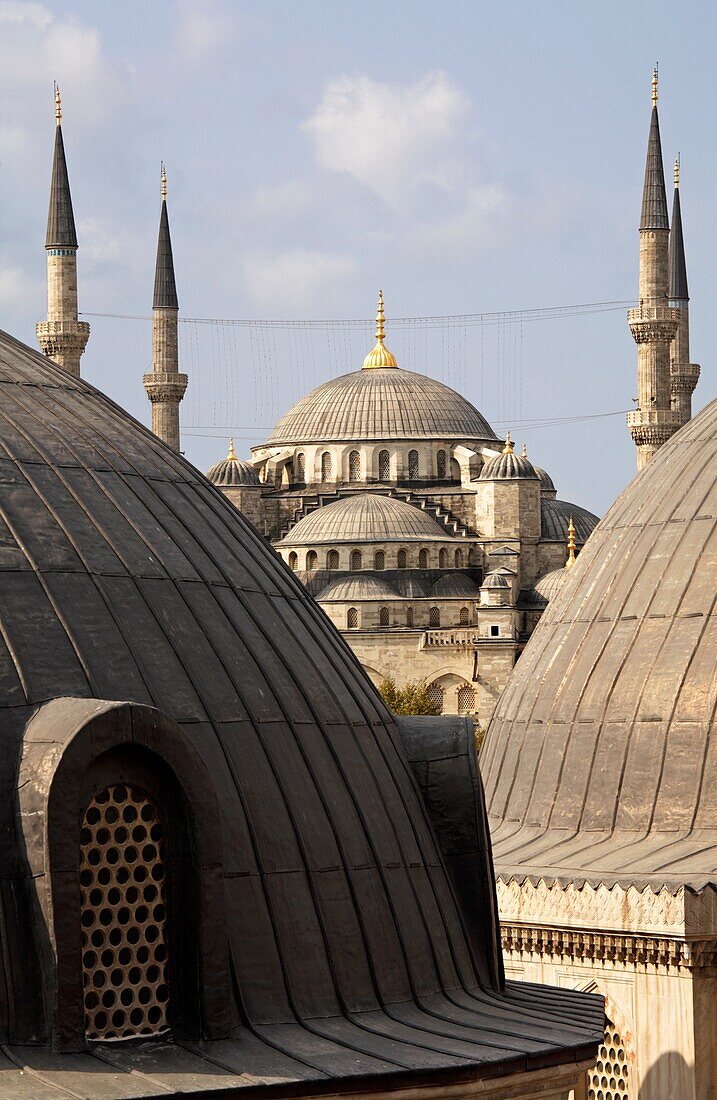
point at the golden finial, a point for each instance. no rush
(677, 170)
(232, 456)
(654, 85)
(58, 104)
(525, 450)
(571, 545)
(380, 356)
(164, 183)
(508, 448)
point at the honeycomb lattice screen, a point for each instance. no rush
(123, 916)
(610, 1078)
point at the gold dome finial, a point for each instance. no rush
(164, 183)
(508, 448)
(58, 104)
(677, 170)
(571, 545)
(654, 85)
(525, 450)
(232, 456)
(380, 356)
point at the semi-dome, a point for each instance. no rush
(357, 586)
(365, 517)
(232, 471)
(456, 585)
(507, 465)
(600, 761)
(150, 635)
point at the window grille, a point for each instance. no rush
(459, 559)
(409, 616)
(434, 617)
(293, 560)
(312, 560)
(413, 465)
(442, 559)
(402, 559)
(332, 559)
(123, 916)
(327, 466)
(465, 617)
(354, 466)
(423, 559)
(379, 561)
(435, 694)
(352, 618)
(383, 617)
(441, 464)
(384, 466)
(611, 1074)
(300, 468)
(355, 559)
(466, 699)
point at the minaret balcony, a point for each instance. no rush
(653, 324)
(48, 329)
(165, 386)
(684, 376)
(657, 417)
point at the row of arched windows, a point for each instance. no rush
(465, 697)
(329, 472)
(353, 617)
(357, 560)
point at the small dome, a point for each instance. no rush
(357, 587)
(366, 517)
(233, 471)
(546, 482)
(495, 580)
(545, 589)
(555, 516)
(507, 465)
(456, 585)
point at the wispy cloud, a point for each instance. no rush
(300, 279)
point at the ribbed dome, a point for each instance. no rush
(545, 589)
(381, 403)
(495, 580)
(366, 517)
(555, 518)
(507, 465)
(600, 758)
(456, 585)
(357, 587)
(233, 471)
(546, 482)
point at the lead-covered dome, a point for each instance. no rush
(600, 760)
(232, 470)
(507, 465)
(365, 517)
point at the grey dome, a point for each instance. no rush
(365, 517)
(546, 482)
(358, 586)
(555, 520)
(507, 465)
(383, 403)
(545, 589)
(456, 585)
(232, 471)
(495, 580)
(127, 577)
(600, 760)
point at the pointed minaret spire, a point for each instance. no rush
(653, 323)
(164, 384)
(683, 374)
(62, 337)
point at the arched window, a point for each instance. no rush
(122, 854)
(332, 559)
(352, 618)
(455, 470)
(355, 559)
(459, 559)
(327, 466)
(464, 617)
(413, 465)
(354, 466)
(434, 617)
(312, 560)
(442, 559)
(423, 558)
(379, 560)
(441, 464)
(383, 617)
(435, 694)
(466, 699)
(402, 559)
(300, 467)
(384, 466)
(293, 560)
(409, 616)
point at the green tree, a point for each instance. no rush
(412, 698)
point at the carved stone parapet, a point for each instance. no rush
(653, 324)
(62, 337)
(165, 387)
(652, 427)
(576, 946)
(684, 377)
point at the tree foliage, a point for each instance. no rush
(412, 698)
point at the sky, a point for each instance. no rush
(467, 157)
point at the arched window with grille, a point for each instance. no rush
(434, 617)
(459, 559)
(441, 464)
(301, 467)
(402, 559)
(409, 616)
(413, 465)
(384, 466)
(332, 559)
(464, 618)
(293, 560)
(327, 466)
(379, 560)
(354, 466)
(466, 699)
(312, 560)
(352, 618)
(383, 617)
(423, 558)
(355, 560)
(442, 559)
(435, 694)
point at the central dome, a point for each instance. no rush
(365, 518)
(381, 403)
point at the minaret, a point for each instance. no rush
(62, 337)
(683, 374)
(653, 324)
(164, 384)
